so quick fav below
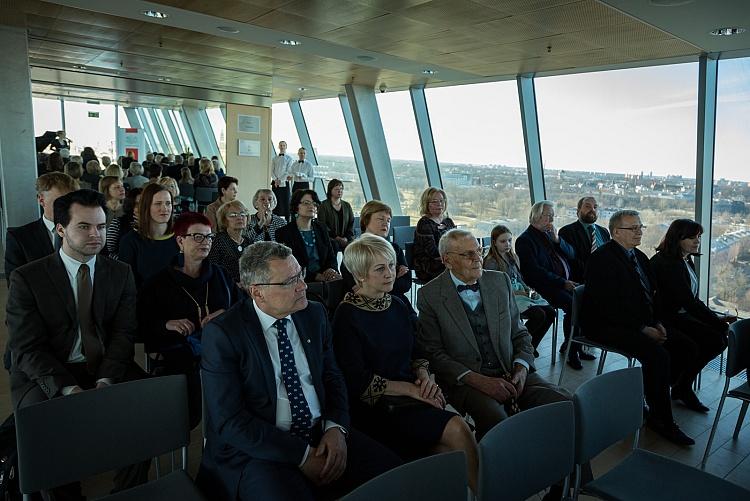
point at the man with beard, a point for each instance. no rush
(584, 235)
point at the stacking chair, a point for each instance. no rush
(403, 235)
(409, 256)
(609, 408)
(738, 360)
(204, 196)
(576, 337)
(435, 478)
(398, 221)
(68, 439)
(542, 441)
(356, 228)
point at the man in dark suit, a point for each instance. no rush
(584, 235)
(71, 318)
(545, 266)
(276, 402)
(618, 310)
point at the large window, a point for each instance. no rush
(91, 124)
(729, 284)
(329, 137)
(219, 128)
(479, 144)
(173, 148)
(283, 129)
(181, 130)
(402, 138)
(47, 115)
(626, 137)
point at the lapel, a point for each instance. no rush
(454, 307)
(257, 341)
(58, 275)
(41, 237)
(101, 276)
(491, 301)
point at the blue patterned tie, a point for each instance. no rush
(301, 415)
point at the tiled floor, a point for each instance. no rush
(729, 458)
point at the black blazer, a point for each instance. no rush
(536, 262)
(673, 282)
(25, 244)
(290, 236)
(240, 391)
(613, 300)
(43, 323)
(327, 218)
(577, 236)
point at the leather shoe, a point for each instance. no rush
(583, 355)
(574, 362)
(689, 399)
(670, 431)
(554, 494)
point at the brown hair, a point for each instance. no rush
(59, 180)
(493, 253)
(370, 208)
(144, 209)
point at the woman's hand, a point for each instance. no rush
(401, 271)
(211, 316)
(182, 326)
(429, 391)
(329, 275)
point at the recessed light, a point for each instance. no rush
(287, 41)
(428, 71)
(728, 31)
(302, 89)
(365, 57)
(155, 14)
(227, 29)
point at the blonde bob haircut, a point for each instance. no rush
(360, 255)
(369, 209)
(221, 214)
(424, 201)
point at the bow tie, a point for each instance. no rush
(281, 154)
(472, 287)
(301, 161)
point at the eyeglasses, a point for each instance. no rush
(237, 214)
(633, 228)
(309, 203)
(476, 254)
(200, 237)
(292, 282)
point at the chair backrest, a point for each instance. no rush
(187, 190)
(409, 254)
(206, 195)
(738, 356)
(356, 228)
(527, 452)
(486, 242)
(575, 314)
(435, 478)
(608, 408)
(403, 234)
(398, 221)
(70, 438)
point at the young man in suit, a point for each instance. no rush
(71, 318)
(276, 402)
(619, 310)
(584, 235)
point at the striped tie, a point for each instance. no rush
(592, 234)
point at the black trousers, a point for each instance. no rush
(707, 342)
(538, 321)
(282, 201)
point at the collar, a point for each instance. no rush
(72, 265)
(48, 224)
(457, 281)
(368, 304)
(266, 320)
(585, 225)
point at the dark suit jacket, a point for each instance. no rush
(290, 236)
(240, 394)
(43, 323)
(673, 283)
(614, 301)
(327, 218)
(536, 262)
(25, 244)
(577, 236)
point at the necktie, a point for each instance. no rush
(592, 234)
(641, 275)
(472, 287)
(301, 415)
(92, 348)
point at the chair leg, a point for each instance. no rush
(577, 483)
(740, 419)
(157, 466)
(715, 425)
(563, 364)
(602, 359)
(554, 338)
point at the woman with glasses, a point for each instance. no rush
(151, 245)
(392, 395)
(308, 239)
(680, 307)
(175, 304)
(337, 216)
(230, 241)
(431, 226)
(264, 223)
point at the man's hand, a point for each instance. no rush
(211, 316)
(342, 241)
(659, 336)
(519, 378)
(552, 232)
(570, 286)
(332, 447)
(313, 466)
(77, 389)
(497, 388)
(330, 274)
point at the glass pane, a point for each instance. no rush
(626, 137)
(91, 125)
(283, 129)
(184, 137)
(122, 118)
(485, 185)
(219, 127)
(325, 124)
(151, 130)
(402, 138)
(729, 284)
(173, 148)
(47, 115)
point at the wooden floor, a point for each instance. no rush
(729, 458)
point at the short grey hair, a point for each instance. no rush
(360, 254)
(135, 169)
(616, 218)
(265, 191)
(221, 214)
(254, 261)
(536, 210)
(451, 236)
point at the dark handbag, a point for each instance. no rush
(394, 403)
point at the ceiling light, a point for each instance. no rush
(227, 29)
(155, 14)
(292, 43)
(428, 71)
(670, 3)
(726, 32)
(302, 89)
(365, 57)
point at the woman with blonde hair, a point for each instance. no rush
(114, 194)
(171, 184)
(230, 241)
(430, 227)
(114, 170)
(207, 177)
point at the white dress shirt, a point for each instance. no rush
(303, 171)
(281, 168)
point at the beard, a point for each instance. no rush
(589, 217)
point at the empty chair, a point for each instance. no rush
(576, 337)
(403, 235)
(738, 360)
(435, 478)
(64, 440)
(398, 221)
(204, 196)
(510, 463)
(609, 408)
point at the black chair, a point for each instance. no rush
(68, 439)
(403, 235)
(738, 360)
(409, 256)
(576, 337)
(398, 221)
(356, 228)
(204, 196)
